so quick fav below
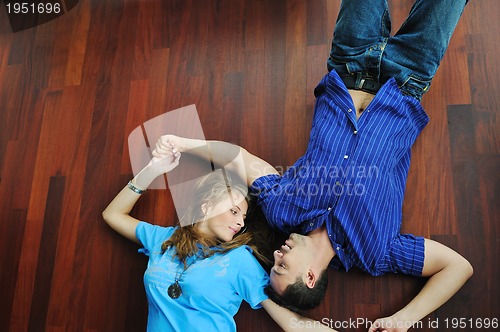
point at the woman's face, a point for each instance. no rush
(226, 218)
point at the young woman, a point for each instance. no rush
(198, 274)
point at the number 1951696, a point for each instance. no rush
(471, 323)
(33, 8)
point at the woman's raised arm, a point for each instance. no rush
(291, 321)
(117, 214)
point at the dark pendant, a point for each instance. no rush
(174, 290)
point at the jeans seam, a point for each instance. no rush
(383, 31)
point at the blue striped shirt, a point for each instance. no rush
(352, 179)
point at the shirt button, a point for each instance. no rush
(338, 248)
(329, 208)
(346, 156)
(311, 224)
(355, 132)
(368, 111)
(349, 110)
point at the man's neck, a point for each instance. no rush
(321, 239)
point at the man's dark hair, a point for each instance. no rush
(297, 297)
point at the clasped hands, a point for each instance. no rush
(166, 154)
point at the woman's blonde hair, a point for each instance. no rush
(188, 240)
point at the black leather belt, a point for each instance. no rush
(366, 85)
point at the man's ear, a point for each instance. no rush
(310, 278)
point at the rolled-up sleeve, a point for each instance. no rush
(405, 255)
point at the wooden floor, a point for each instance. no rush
(73, 89)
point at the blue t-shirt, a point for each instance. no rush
(212, 288)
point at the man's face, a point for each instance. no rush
(290, 262)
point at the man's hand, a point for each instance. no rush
(168, 145)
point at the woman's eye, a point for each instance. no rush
(234, 212)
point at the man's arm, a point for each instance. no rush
(448, 271)
(227, 155)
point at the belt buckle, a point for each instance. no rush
(360, 85)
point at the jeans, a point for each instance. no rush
(362, 44)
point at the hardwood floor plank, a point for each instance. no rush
(78, 45)
(295, 132)
(316, 23)
(46, 255)
(12, 228)
(470, 219)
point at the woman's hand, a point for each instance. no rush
(390, 324)
(161, 163)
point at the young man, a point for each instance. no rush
(342, 201)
